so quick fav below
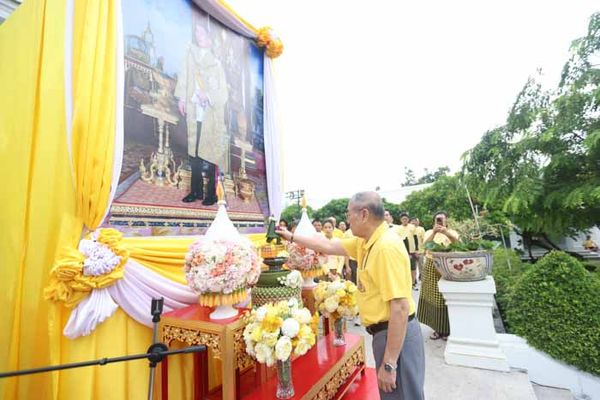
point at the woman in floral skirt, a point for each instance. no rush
(432, 310)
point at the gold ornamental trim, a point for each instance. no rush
(327, 387)
(192, 337)
(133, 222)
(174, 212)
(243, 360)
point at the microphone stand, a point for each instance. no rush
(155, 354)
(156, 310)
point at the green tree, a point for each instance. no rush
(542, 167)
(409, 177)
(394, 210)
(430, 177)
(293, 212)
(335, 208)
(447, 194)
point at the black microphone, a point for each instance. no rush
(156, 309)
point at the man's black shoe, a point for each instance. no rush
(209, 201)
(189, 198)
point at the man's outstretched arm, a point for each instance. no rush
(316, 242)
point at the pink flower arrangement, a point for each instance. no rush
(221, 266)
(304, 259)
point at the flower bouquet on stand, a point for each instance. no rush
(221, 265)
(307, 261)
(337, 300)
(276, 332)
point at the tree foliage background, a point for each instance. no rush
(540, 170)
(542, 167)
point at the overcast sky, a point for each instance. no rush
(367, 88)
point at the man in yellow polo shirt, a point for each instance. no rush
(406, 231)
(384, 295)
(419, 243)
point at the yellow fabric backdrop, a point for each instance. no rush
(46, 204)
(36, 193)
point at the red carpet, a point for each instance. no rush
(365, 387)
(142, 193)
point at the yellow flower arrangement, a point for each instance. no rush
(336, 299)
(276, 331)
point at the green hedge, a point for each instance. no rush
(505, 277)
(555, 305)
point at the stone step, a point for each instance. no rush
(551, 393)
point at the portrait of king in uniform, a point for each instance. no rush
(193, 120)
(201, 91)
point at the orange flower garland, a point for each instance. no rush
(266, 38)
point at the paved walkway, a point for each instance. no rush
(443, 381)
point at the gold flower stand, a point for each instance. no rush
(193, 326)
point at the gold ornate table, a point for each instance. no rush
(192, 326)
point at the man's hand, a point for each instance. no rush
(284, 233)
(181, 106)
(386, 380)
(347, 272)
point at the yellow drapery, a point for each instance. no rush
(37, 189)
(46, 203)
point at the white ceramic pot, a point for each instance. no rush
(463, 266)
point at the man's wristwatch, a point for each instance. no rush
(389, 367)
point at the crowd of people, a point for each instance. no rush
(387, 261)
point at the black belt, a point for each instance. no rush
(382, 326)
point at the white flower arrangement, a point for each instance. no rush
(292, 280)
(99, 258)
(276, 331)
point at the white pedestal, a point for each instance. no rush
(473, 341)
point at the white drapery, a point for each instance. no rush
(133, 293)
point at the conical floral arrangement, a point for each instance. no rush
(222, 265)
(307, 261)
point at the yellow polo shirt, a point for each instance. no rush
(440, 238)
(383, 273)
(337, 233)
(420, 233)
(348, 234)
(334, 263)
(406, 232)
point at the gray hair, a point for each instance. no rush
(371, 201)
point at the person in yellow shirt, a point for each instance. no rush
(350, 265)
(432, 306)
(384, 295)
(342, 226)
(589, 244)
(419, 240)
(388, 218)
(337, 233)
(317, 224)
(406, 231)
(334, 263)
